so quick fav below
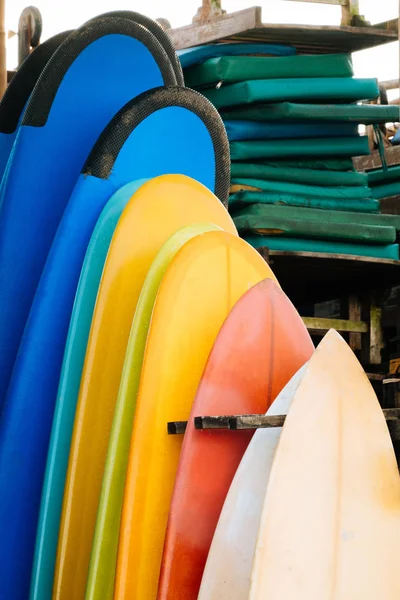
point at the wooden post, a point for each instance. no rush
(3, 37)
(375, 333)
(354, 315)
(350, 10)
(210, 9)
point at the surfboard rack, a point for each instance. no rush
(241, 422)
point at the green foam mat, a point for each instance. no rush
(386, 190)
(298, 175)
(282, 244)
(241, 199)
(336, 193)
(338, 89)
(326, 216)
(365, 114)
(380, 176)
(239, 68)
(259, 149)
(291, 227)
(318, 164)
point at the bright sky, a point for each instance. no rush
(59, 15)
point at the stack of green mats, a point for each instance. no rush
(292, 122)
(385, 182)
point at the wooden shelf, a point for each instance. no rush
(311, 277)
(247, 26)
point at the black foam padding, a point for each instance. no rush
(157, 31)
(101, 159)
(48, 83)
(24, 81)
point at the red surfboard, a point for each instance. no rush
(261, 345)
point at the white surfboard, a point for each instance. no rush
(228, 568)
(330, 525)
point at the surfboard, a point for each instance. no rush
(156, 211)
(105, 543)
(202, 283)
(67, 394)
(19, 89)
(157, 31)
(132, 145)
(65, 115)
(261, 345)
(230, 559)
(330, 524)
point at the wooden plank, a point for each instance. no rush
(225, 26)
(376, 335)
(318, 326)
(246, 25)
(354, 315)
(390, 84)
(373, 161)
(240, 422)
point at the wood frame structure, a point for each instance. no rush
(212, 23)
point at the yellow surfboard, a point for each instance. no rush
(154, 213)
(330, 524)
(100, 584)
(204, 280)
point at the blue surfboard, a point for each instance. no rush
(96, 70)
(18, 92)
(166, 130)
(68, 390)
(156, 30)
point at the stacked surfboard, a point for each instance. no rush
(292, 122)
(127, 301)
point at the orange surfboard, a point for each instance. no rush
(261, 345)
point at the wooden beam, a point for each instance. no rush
(390, 84)
(318, 326)
(376, 335)
(349, 10)
(225, 26)
(240, 422)
(373, 161)
(354, 315)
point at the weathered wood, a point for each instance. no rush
(350, 9)
(373, 161)
(246, 25)
(240, 422)
(375, 327)
(317, 326)
(176, 427)
(354, 315)
(210, 9)
(211, 422)
(390, 84)
(225, 26)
